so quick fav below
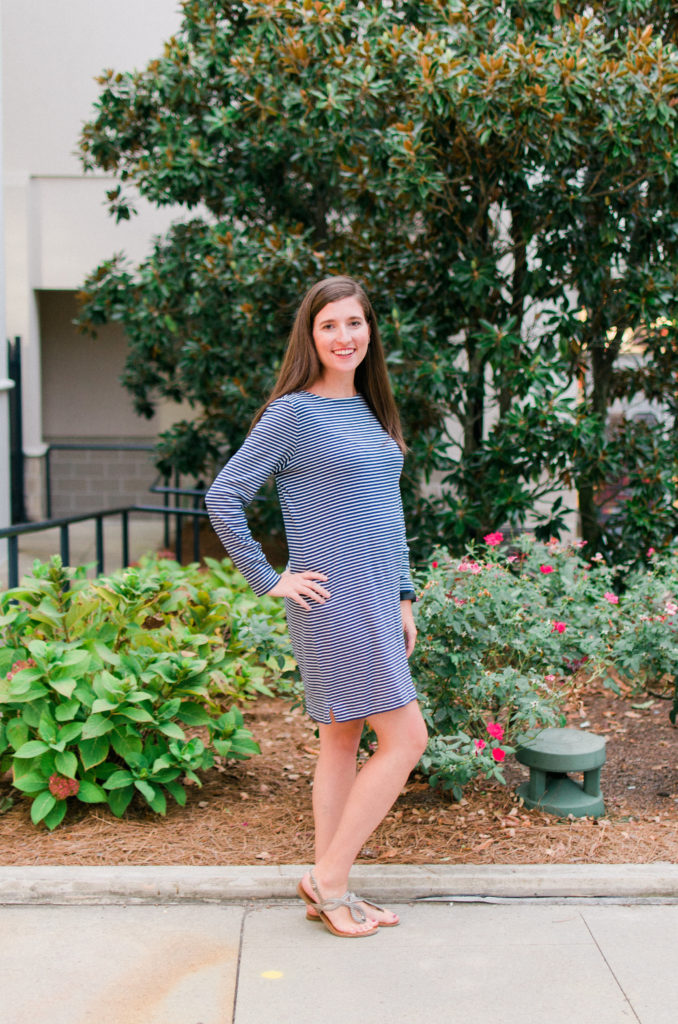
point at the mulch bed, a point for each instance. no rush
(259, 811)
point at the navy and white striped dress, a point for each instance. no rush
(337, 473)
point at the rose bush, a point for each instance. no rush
(503, 629)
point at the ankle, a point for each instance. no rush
(330, 882)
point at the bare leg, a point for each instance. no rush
(402, 739)
(334, 776)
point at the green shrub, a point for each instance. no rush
(100, 681)
(500, 634)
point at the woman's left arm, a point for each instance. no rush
(409, 628)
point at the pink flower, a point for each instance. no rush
(472, 567)
(495, 730)
(580, 543)
(650, 552)
(550, 678)
(671, 608)
(492, 539)
(612, 598)
(18, 666)
(546, 569)
(498, 754)
(479, 745)
(512, 558)
(434, 565)
(61, 787)
(459, 602)
(558, 627)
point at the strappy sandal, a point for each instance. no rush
(361, 899)
(322, 907)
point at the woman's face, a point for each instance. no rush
(341, 335)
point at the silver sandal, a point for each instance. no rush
(322, 907)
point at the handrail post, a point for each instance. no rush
(99, 533)
(13, 561)
(65, 547)
(125, 539)
(177, 503)
(48, 480)
(196, 530)
(166, 501)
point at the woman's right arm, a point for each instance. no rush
(267, 450)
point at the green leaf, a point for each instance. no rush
(119, 800)
(119, 779)
(90, 793)
(135, 714)
(17, 733)
(193, 714)
(106, 654)
(177, 791)
(126, 746)
(66, 712)
(56, 815)
(66, 764)
(70, 731)
(172, 730)
(42, 805)
(104, 705)
(64, 686)
(33, 693)
(93, 752)
(96, 725)
(32, 749)
(31, 782)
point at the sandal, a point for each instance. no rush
(322, 906)
(310, 916)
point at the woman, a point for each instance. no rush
(330, 434)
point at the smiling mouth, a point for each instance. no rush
(344, 351)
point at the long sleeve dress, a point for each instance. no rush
(337, 473)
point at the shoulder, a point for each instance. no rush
(280, 410)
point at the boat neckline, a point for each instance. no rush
(330, 398)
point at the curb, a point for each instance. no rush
(393, 882)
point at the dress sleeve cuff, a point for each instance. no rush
(408, 595)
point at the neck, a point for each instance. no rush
(333, 388)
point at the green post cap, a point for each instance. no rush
(550, 754)
(562, 750)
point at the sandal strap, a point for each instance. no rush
(349, 899)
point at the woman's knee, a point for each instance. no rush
(404, 729)
(340, 739)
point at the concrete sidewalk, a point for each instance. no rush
(164, 946)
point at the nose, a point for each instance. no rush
(345, 332)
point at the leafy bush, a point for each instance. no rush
(99, 681)
(500, 634)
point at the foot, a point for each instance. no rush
(381, 916)
(341, 920)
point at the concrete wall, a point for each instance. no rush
(56, 225)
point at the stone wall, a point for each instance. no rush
(87, 481)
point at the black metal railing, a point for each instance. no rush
(12, 533)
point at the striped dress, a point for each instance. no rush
(337, 474)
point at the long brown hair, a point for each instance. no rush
(301, 366)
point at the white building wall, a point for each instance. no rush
(56, 225)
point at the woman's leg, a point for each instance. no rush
(402, 738)
(335, 774)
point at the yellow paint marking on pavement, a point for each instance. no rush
(272, 975)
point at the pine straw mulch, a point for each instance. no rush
(259, 811)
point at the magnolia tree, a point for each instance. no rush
(502, 177)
